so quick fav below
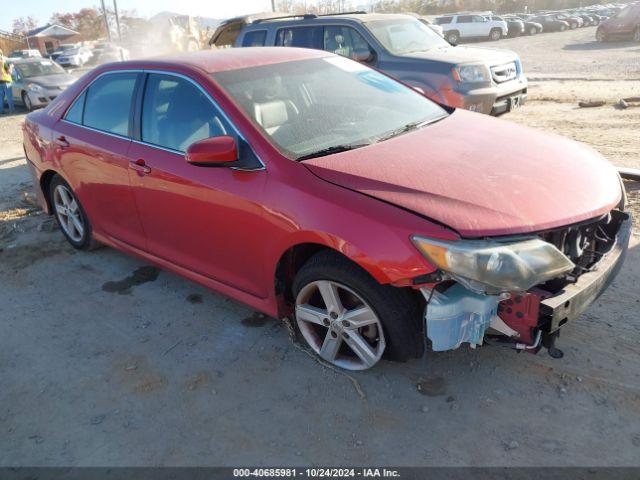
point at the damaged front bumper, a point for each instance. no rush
(458, 315)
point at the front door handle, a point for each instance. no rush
(139, 166)
(61, 141)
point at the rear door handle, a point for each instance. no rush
(139, 166)
(61, 141)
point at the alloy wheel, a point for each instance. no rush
(27, 102)
(68, 213)
(339, 325)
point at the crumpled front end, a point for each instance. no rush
(458, 313)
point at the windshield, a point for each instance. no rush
(317, 106)
(36, 69)
(405, 36)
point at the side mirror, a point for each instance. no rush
(362, 55)
(213, 152)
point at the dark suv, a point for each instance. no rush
(485, 80)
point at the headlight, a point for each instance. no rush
(490, 266)
(34, 87)
(471, 73)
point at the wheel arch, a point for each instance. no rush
(297, 254)
(45, 183)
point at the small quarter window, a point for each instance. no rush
(74, 114)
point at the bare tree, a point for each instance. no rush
(22, 25)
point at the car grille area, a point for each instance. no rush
(584, 244)
(504, 73)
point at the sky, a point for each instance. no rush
(41, 10)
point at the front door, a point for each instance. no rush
(200, 218)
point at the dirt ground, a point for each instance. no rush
(106, 363)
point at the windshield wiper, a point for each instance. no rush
(331, 150)
(407, 128)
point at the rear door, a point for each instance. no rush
(92, 141)
(203, 219)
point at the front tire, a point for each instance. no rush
(495, 34)
(533, 31)
(636, 34)
(70, 215)
(349, 319)
(563, 28)
(26, 101)
(600, 36)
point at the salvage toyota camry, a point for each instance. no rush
(311, 187)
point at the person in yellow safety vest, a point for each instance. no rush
(5, 84)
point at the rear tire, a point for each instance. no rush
(533, 31)
(70, 215)
(636, 34)
(563, 28)
(397, 310)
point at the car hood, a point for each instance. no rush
(57, 80)
(458, 55)
(480, 176)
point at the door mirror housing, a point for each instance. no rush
(363, 55)
(213, 152)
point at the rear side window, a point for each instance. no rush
(304, 37)
(175, 114)
(74, 114)
(254, 39)
(465, 19)
(108, 103)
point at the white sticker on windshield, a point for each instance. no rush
(345, 64)
(46, 62)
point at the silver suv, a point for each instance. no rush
(468, 25)
(484, 80)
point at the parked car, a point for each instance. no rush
(481, 79)
(436, 28)
(112, 53)
(573, 21)
(38, 81)
(588, 20)
(530, 27)
(310, 186)
(467, 26)
(76, 57)
(515, 26)
(25, 54)
(65, 47)
(625, 24)
(551, 24)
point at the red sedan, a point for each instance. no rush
(307, 185)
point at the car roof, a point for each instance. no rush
(224, 59)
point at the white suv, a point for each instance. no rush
(469, 25)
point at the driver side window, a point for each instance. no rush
(175, 114)
(344, 41)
